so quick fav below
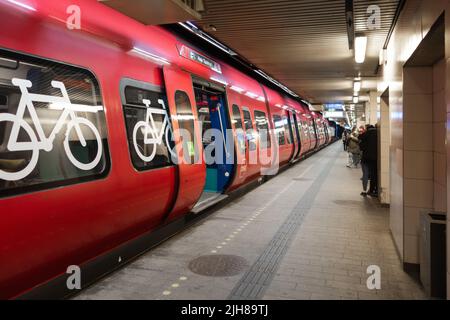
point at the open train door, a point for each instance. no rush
(187, 139)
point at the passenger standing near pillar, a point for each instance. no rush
(369, 148)
(344, 139)
(353, 149)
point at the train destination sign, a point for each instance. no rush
(199, 58)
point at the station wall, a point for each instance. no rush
(418, 152)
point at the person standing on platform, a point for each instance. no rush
(344, 139)
(369, 160)
(353, 149)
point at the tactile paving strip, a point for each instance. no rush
(257, 279)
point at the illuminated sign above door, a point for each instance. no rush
(193, 55)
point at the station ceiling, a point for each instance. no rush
(302, 43)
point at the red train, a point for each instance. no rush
(89, 121)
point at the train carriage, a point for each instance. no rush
(104, 131)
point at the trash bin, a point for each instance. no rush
(433, 273)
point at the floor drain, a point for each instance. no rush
(218, 265)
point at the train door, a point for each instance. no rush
(327, 134)
(293, 133)
(186, 134)
(295, 122)
(218, 146)
(314, 133)
(251, 155)
(306, 146)
(241, 144)
(289, 134)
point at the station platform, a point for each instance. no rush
(305, 234)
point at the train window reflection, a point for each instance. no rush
(287, 129)
(262, 126)
(279, 129)
(237, 120)
(186, 125)
(249, 130)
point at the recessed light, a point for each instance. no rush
(360, 49)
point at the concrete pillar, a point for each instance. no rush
(383, 154)
(372, 106)
(367, 112)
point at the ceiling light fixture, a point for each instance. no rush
(355, 100)
(357, 86)
(194, 29)
(360, 49)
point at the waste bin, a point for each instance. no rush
(433, 259)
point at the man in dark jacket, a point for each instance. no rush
(369, 148)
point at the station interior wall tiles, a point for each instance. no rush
(413, 135)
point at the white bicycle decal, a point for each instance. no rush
(41, 142)
(153, 136)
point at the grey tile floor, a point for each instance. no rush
(294, 245)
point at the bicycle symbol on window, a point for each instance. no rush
(153, 136)
(40, 141)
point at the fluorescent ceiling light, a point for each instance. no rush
(192, 28)
(360, 49)
(191, 24)
(355, 99)
(357, 86)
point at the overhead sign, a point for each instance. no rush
(193, 55)
(333, 107)
(334, 114)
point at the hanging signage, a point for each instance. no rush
(190, 54)
(333, 114)
(333, 107)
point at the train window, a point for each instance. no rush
(294, 126)
(301, 128)
(288, 130)
(279, 129)
(52, 125)
(262, 125)
(3, 108)
(186, 123)
(237, 120)
(304, 129)
(149, 130)
(249, 129)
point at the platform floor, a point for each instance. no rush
(306, 234)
